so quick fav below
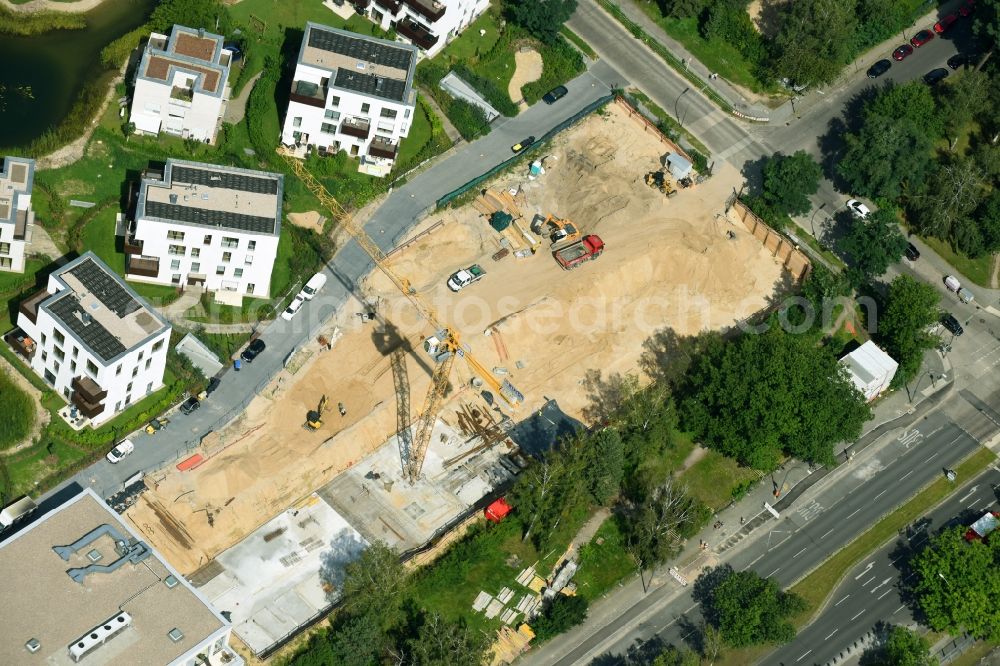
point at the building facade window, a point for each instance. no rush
(238, 272)
(59, 337)
(196, 252)
(149, 362)
(195, 267)
(248, 260)
(4, 248)
(230, 242)
(220, 270)
(58, 353)
(6, 262)
(250, 288)
(175, 264)
(297, 121)
(335, 102)
(91, 368)
(327, 128)
(330, 113)
(175, 278)
(158, 346)
(388, 113)
(251, 245)
(227, 256)
(208, 239)
(366, 107)
(135, 371)
(176, 250)
(175, 235)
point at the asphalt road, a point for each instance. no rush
(871, 593)
(389, 223)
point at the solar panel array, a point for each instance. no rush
(105, 288)
(69, 310)
(369, 84)
(211, 218)
(360, 48)
(224, 179)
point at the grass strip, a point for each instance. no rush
(974, 655)
(577, 41)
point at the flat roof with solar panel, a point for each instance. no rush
(102, 312)
(359, 63)
(212, 196)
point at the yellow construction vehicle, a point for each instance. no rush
(558, 230)
(314, 417)
(661, 181)
(443, 346)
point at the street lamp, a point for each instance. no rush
(676, 101)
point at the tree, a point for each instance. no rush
(986, 24)
(789, 180)
(128, 129)
(957, 584)
(657, 528)
(904, 647)
(441, 642)
(814, 39)
(911, 307)
(746, 608)
(988, 215)
(962, 100)
(542, 18)
(769, 393)
(607, 467)
(956, 190)
(208, 14)
(873, 244)
(672, 656)
(562, 614)
(374, 582)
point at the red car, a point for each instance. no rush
(967, 8)
(945, 24)
(922, 38)
(902, 52)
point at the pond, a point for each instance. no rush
(42, 75)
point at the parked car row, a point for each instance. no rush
(923, 37)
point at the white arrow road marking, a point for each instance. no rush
(867, 569)
(970, 493)
(880, 584)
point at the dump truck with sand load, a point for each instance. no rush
(587, 248)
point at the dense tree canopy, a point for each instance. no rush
(542, 18)
(873, 244)
(814, 40)
(562, 614)
(789, 180)
(767, 394)
(901, 326)
(902, 647)
(208, 14)
(746, 608)
(957, 584)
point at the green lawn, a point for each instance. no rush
(223, 344)
(99, 237)
(41, 461)
(978, 270)
(578, 42)
(603, 561)
(15, 282)
(713, 478)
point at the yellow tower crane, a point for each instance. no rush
(443, 346)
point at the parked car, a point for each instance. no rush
(253, 350)
(522, 144)
(293, 307)
(963, 60)
(312, 287)
(858, 209)
(554, 95)
(156, 425)
(213, 384)
(945, 24)
(190, 405)
(952, 283)
(936, 76)
(123, 448)
(922, 38)
(965, 295)
(967, 8)
(879, 68)
(902, 52)
(912, 253)
(461, 279)
(952, 324)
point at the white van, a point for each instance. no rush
(312, 287)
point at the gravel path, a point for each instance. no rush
(77, 7)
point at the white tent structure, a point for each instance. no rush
(871, 369)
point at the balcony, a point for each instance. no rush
(390, 6)
(360, 6)
(358, 127)
(382, 147)
(29, 306)
(429, 9)
(416, 33)
(142, 266)
(23, 222)
(311, 94)
(87, 408)
(88, 389)
(21, 343)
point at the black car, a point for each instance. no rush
(912, 253)
(952, 324)
(554, 95)
(190, 405)
(253, 350)
(962, 60)
(213, 384)
(936, 76)
(879, 68)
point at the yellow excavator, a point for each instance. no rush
(659, 180)
(314, 417)
(558, 230)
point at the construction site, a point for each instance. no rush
(371, 433)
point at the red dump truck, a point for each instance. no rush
(574, 254)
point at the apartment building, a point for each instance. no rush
(428, 24)
(82, 587)
(181, 85)
(351, 92)
(206, 225)
(93, 339)
(17, 176)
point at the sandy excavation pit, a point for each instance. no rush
(667, 263)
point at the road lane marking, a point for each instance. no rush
(862, 612)
(799, 553)
(881, 584)
(855, 511)
(931, 457)
(827, 533)
(868, 581)
(881, 493)
(773, 572)
(804, 655)
(970, 493)
(899, 609)
(831, 634)
(885, 593)
(906, 475)
(756, 559)
(842, 600)
(867, 569)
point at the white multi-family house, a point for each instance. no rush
(429, 24)
(93, 339)
(181, 85)
(82, 586)
(17, 176)
(206, 225)
(351, 92)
